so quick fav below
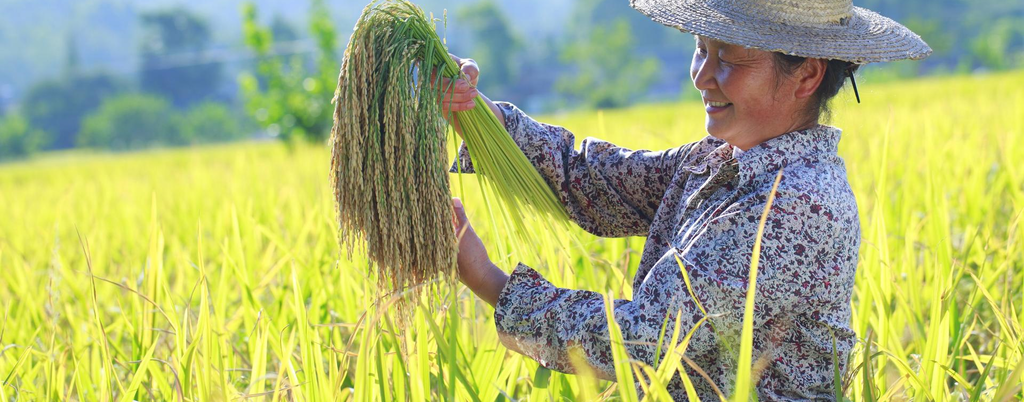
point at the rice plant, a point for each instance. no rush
(214, 274)
(388, 148)
(388, 164)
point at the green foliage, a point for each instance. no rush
(224, 260)
(590, 14)
(281, 30)
(290, 96)
(174, 62)
(58, 107)
(496, 46)
(132, 121)
(992, 46)
(607, 72)
(137, 121)
(17, 138)
(937, 35)
(220, 267)
(106, 32)
(210, 122)
(614, 56)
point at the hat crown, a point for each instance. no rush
(810, 13)
(821, 29)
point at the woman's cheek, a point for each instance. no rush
(723, 77)
(694, 67)
(725, 71)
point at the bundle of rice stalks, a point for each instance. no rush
(389, 161)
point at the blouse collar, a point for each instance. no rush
(763, 161)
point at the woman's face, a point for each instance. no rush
(744, 101)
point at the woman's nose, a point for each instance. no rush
(703, 75)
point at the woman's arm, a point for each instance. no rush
(798, 260)
(476, 270)
(608, 190)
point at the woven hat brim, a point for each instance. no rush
(866, 38)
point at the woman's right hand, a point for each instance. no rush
(461, 96)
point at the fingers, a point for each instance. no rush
(461, 221)
(468, 67)
(458, 97)
(461, 92)
(460, 212)
(471, 70)
(457, 106)
(461, 95)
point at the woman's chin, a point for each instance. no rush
(716, 130)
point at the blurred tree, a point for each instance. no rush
(991, 48)
(210, 122)
(58, 106)
(17, 138)
(648, 35)
(282, 30)
(174, 59)
(290, 96)
(495, 46)
(107, 30)
(132, 121)
(72, 59)
(610, 50)
(606, 72)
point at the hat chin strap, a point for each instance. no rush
(849, 73)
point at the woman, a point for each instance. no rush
(766, 70)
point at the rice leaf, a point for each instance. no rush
(741, 391)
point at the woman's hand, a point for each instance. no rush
(475, 267)
(461, 96)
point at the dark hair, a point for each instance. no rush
(831, 83)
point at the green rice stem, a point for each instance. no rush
(389, 161)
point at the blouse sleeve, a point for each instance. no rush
(798, 248)
(608, 190)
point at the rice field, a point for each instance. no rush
(214, 274)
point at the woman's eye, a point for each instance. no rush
(702, 52)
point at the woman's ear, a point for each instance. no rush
(809, 77)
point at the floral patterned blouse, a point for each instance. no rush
(702, 204)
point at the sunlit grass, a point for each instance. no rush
(214, 273)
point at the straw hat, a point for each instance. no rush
(824, 29)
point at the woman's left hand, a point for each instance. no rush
(475, 268)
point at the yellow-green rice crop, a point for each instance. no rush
(214, 274)
(388, 161)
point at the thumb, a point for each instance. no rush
(461, 220)
(471, 70)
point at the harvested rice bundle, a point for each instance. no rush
(389, 162)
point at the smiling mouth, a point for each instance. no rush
(718, 104)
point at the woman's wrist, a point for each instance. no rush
(497, 111)
(486, 281)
